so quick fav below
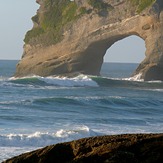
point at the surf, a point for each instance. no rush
(40, 139)
(78, 81)
(127, 83)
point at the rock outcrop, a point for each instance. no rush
(138, 148)
(73, 35)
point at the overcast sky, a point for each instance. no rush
(15, 18)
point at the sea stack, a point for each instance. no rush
(73, 36)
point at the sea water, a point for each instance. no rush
(36, 111)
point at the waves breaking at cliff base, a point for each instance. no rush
(84, 81)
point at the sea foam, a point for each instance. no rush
(135, 78)
(81, 80)
(40, 139)
(78, 81)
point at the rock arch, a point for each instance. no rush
(85, 40)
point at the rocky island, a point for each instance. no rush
(72, 36)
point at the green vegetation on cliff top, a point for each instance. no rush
(57, 15)
(60, 13)
(142, 4)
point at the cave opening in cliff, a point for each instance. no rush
(123, 57)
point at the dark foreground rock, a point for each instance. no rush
(134, 148)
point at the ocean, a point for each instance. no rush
(37, 111)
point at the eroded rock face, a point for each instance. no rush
(134, 148)
(73, 36)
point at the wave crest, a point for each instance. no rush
(40, 139)
(78, 81)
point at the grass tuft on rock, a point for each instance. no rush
(142, 4)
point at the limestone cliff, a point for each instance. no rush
(73, 35)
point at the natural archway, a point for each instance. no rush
(123, 57)
(77, 41)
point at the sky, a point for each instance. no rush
(15, 18)
(128, 50)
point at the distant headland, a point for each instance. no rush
(72, 36)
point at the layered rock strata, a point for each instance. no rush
(73, 36)
(135, 148)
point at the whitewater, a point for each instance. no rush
(38, 111)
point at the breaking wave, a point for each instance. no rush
(78, 81)
(86, 81)
(127, 83)
(40, 139)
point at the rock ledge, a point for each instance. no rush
(129, 148)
